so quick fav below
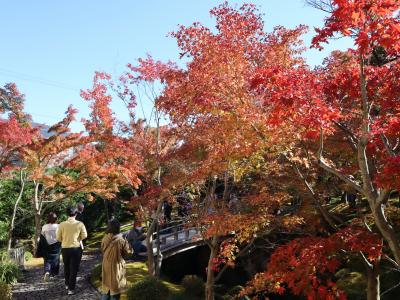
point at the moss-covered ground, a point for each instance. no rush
(135, 271)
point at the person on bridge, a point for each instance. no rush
(70, 233)
(135, 237)
(51, 253)
(114, 247)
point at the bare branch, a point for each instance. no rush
(334, 171)
(352, 137)
(324, 5)
(388, 147)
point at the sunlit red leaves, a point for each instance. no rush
(306, 266)
(15, 131)
(13, 137)
(371, 23)
(102, 118)
(294, 96)
(390, 174)
(12, 101)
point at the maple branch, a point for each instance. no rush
(390, 289)
(352, 138)
(323, 5)
(383, 197)
(392, 261)
(324, 213)
(397, 145)
(241, 252)
(365, 260)
(364, 138)
(322, 163)
(387, 145)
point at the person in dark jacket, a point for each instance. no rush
(81, 217)
(135, 237)
(51, 247)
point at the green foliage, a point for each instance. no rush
(235, 290)
(5, 291)
(193, 286)
(353, 283)
(9, 272)
(178, 296)
(9, 191)
(225, 297)
(4, 225)
(95, 275)
(149, 288)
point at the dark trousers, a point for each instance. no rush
(52, 259)
(71, 259)
(52, 266)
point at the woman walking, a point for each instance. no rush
(113, 247)
(51, 253)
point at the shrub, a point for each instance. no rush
(5, 291)
(148, 289)
(96, 272)
(9, 272)
(235, 290)
(178, 296)
(194, 286)
(226, 297)
(95, 275)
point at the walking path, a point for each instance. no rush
(32, 286)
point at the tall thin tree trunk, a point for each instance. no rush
(149, 241)
(106, 208)
(371, 192)
(158, 262)
(158, 255)
(21, 191)
(38, 217)
(210, 293)
(386, 230)
(373, 283)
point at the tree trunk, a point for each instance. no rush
(10, 231)
(106, 208)
(210, 270)
(386, 229)
(38, 217)
(158, 255)
(149, 242)
(373, 273)
(38, 229)
(373, 282)
(370, 190)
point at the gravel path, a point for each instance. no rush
(32, 286)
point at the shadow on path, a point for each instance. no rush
(32, 286)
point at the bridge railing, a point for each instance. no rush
(175, 234)
(17, 255)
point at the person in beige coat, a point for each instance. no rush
(113, 247)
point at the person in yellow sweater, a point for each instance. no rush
(70, 233)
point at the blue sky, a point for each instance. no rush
(52, 48)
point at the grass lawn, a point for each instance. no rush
(135, 272)
(34, 262)
(94, 241)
